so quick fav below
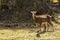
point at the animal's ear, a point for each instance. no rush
(33, 11)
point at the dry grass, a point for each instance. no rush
(26, 34)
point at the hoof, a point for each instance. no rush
(37, 35)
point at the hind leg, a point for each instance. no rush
(50, 24)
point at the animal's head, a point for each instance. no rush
(33, 14)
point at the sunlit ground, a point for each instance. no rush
(28, 34)
(25, 34)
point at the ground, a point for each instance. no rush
(28, 34)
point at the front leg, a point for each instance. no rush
(38, 27)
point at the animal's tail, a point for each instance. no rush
(55, 20)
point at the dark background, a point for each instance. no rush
(19, 10)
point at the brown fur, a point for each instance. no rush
(41, 20)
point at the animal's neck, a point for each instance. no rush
(33, 15)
